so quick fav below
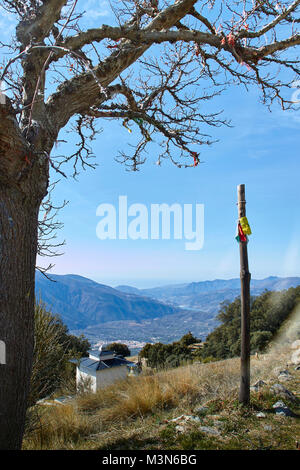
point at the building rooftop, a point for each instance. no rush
(101, 353)
(95, 365)
(101, 359)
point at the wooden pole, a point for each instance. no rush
(244, 395)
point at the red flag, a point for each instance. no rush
(242, 236)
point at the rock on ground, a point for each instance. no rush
(295, 359)
(209, 430)
(281, 391)
(281, 409)
(258, 385)
(296, 344)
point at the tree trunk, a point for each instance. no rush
(18, 247)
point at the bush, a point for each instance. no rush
(119, 348)
(53, 348)
(268, 311)
(164, 356)
(259, 340)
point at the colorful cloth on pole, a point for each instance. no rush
(245, 225)
(243, 229)
(240, 236)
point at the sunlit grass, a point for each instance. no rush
(111, 417)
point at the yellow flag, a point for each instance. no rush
(245, 225)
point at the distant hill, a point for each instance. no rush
(207, 295)
(82, 302)
(158, 314)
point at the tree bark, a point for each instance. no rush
(18, 247)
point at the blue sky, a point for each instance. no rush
(261, 150)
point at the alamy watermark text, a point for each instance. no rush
(154, 224)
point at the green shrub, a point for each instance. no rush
(268, 311)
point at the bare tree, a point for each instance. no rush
(57, 74)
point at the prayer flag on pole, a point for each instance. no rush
(240, 236)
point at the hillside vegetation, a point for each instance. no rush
(165, 356)
(138, 413)
(54, 346)
(189, 407)
(268, 312)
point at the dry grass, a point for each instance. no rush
(58, 427)
(138, 404)
(181, 387)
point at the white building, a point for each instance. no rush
(101, 368)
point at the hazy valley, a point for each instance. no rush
(137, 316)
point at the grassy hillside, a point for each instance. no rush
(137, 413)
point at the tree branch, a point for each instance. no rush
(77, 94)
(36, 25)
(286, 12)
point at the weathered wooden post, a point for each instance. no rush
(244, 395)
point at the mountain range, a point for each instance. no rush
(125, 313)
(207, 295)
(82, 302)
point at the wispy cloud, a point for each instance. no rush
(95, 9)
